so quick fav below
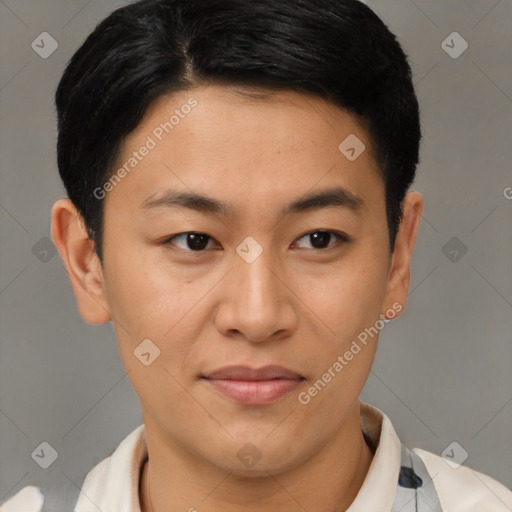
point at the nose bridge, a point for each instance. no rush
(257, 287)
(256, 303)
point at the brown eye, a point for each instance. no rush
(321, 240)
(195, 242)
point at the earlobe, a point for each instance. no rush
(400, 270)
(82, 264)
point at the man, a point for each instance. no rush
(238, 176)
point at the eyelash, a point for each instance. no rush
(342, 239)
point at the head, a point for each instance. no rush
(284, 137)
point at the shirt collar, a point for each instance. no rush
(105, 486)
(379, 487)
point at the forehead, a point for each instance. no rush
(244, 143)
(249, 113)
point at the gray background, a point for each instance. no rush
(443, 369)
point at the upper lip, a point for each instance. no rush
(247, 373)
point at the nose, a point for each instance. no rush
(257, 302)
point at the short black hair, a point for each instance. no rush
(338, 50)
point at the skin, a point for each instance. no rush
(295, 305)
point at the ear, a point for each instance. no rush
(69, 235)
(399, 276)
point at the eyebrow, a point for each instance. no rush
(331, 197)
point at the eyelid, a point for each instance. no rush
(168, 240)
(342, 237)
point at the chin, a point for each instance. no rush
(246, 461)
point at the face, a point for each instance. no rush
(243, 236)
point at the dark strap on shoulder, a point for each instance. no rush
(415, 491)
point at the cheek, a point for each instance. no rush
(140, 289)
(347, 297)
(150, 299)
(149, 306)
(346, 340)
(346, 307)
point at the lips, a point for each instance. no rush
(249, 374)
(254, 386)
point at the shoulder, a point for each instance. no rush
(29, 499)
(462, 489)
(47, 497)
(106, 481)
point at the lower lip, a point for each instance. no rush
(257, 392)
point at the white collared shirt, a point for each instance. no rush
(113, 484)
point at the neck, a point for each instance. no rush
(305, 486)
